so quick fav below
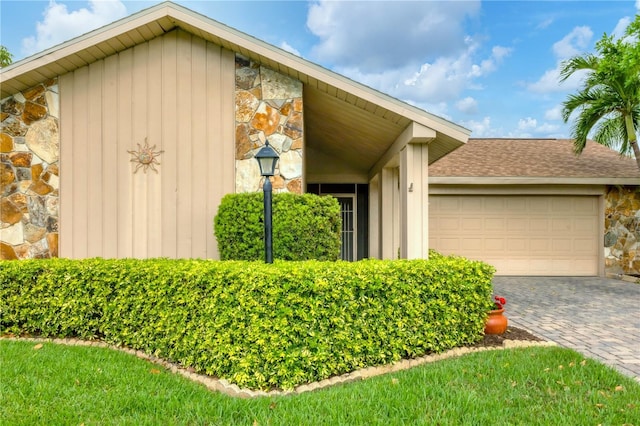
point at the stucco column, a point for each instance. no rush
(389, 223)
(374, 217)
(414, 202)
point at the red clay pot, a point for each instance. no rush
(496, 322)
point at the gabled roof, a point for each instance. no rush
(341, 116)
(484, 161)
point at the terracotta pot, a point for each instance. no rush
(496, 322)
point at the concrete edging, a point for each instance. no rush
(230, 389)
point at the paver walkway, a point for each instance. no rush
(597, 317)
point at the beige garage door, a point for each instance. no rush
(519, 235)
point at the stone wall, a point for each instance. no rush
(268, 107)
(622, 230)
(29, 153)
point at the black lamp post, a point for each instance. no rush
(267, 159)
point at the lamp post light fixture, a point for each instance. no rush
(267, 159)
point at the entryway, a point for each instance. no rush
(354, 208)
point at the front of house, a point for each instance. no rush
(122, 142)
(194, 100)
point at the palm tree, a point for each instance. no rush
(609, 100)
(5, 57)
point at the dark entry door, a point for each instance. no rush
(354, 204)
(347, 208)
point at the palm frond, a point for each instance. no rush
(611, 133)
(570, 66)
(587, 99)
(590, 115)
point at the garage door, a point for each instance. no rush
(519, 235)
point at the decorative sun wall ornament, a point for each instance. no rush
(146, 157)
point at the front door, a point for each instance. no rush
(354, 207)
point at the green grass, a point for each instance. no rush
(67, 385)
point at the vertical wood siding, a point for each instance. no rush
(178, 92)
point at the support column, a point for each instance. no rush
(388, 213)
(374, 218)
(414, 201)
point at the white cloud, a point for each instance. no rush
(439, 81)
(386, 34)
(544, 24)
(499, 52)
(527, 123)
(59, 24)
(621, 27)
(547, 83)
(489, 65)
(549, 130)
(467, 105)
(286, 46)
(574, 43)
(482, 129)
(554, 113)
(529, 127)
(638, 4)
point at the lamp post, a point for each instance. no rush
(267, 159)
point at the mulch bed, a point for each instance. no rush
(512, 333)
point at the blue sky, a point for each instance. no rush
(490, 66)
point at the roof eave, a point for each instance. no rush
(38, 62)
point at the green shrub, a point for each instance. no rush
(257, 325)
(305, 227)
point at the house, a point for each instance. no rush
(533, 207)
(122, 142)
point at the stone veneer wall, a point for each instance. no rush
(268, 107)
(622, 230)
(29, 154)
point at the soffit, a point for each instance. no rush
(338, 128)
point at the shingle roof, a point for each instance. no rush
(533, 158)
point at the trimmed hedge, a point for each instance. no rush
(305, 227)
(259, 326)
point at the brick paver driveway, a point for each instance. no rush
(598, 317)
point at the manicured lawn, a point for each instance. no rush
(73, 385)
